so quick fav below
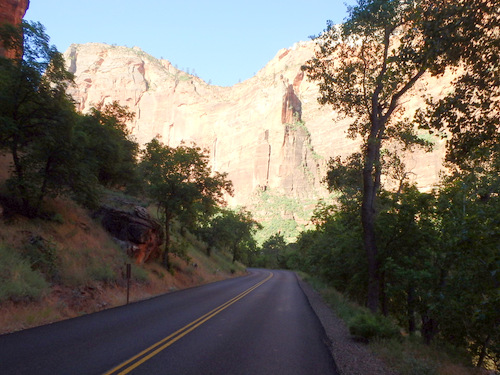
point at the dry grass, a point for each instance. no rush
(91, 268)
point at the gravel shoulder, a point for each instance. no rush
(351, 357)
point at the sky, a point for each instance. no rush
(221, 41)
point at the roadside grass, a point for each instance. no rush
(403, 354)
(18, 281)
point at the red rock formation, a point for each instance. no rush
(138, 234)
(12, 12)
(249, 128)
(292, 107)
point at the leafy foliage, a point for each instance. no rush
(179, 181)
(369, 327)
(111, 144)
(54, 149)
(368, 64)
(18, 280)
(233, 231)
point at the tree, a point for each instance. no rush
(234, 230)
(178, 180)
(467, 302)
(272, 252)
(37, 120)
(364, 69)
(111, 144)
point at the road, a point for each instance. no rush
(257, 324)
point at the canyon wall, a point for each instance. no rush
(268, 133)
(12, 12)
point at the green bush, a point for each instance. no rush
(102, 272)
(368, 326)
(17, 280)
(42, 256)
(141, 275)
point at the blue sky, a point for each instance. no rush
(223, 41)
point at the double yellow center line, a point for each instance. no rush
(154, 349)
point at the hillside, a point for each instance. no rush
(65, 265)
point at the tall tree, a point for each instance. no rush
(179, 180)
(111, 143)
(37, 119)
(235, 230)
(367, 65)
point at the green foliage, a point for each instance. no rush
(367, 65)
(42, 256)
(346, 177)
(232, 231)
(433, 259)
(139, 274)
(36, 113)
(273, 253)
(369, 326)
(17, 280)
(110, 144)
(468, 112)
(55, 150)
(179, 181)
(279, 213)
(102, 271)
(334, 253)
(439, 260)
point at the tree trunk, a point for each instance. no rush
(429, 328)
(383, 296)
(410, 301)
(371, 178)
(482, 355)
(165, 260)
(234, 253)
(18, 168)
(43, 188)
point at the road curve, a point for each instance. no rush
(256, 324)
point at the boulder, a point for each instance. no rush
(136, 231)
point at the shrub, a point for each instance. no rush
(368, 326)
(17, 280)
(141, 275)
(102, 272)
(42, 256)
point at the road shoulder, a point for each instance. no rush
(351, 358)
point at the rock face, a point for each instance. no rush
(138, 234)
(12, 11)
(267, 133)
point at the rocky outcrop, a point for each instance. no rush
(252, 129)
(136, 232)
(12, 12)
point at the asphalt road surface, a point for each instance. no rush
(257, 324)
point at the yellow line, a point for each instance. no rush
(180, 333)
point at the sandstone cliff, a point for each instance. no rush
(12, 11)
(268, 132)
